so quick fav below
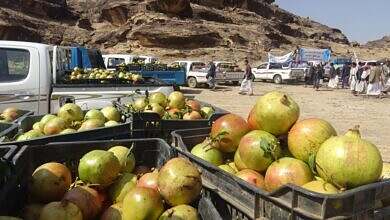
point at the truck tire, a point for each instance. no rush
(236, 83)
(192, 83)
(278, 79)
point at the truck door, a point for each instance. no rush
(19, 78)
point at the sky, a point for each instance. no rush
(360, 20)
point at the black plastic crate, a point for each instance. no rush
(6, 153)
(7, 131)
(152, 125)
(149, 152)
(288, 202)
(121, 131)
(22, 114)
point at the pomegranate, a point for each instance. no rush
(46, 119)
(176, 100)
(61, 210)
(140, 104)
(258, 149)
(114, 212)
(70, 112)
(180, 212)
(349, 161)
(38, 126)
(88, 200)
(238, 162)
(99, 167)
(252, 177)
(320, 187)
(29, 135)
(142, 203)
(111, 113)
(252, 122)
(227, 168)
(94, 114)
(306, 137)
(193, 105)
(32, 211)
(276, 112)
(125, 156)
(208, 151)
(287, 170)
(10, 113)
(231, 128)
(156, 108)
(50, 181)
(174, 113)
(121, 186)
(207, 111)
(111, 123)
(179, 182)
(158, 98)
(54, 126)
(192, 116)
(91, 124)
(68, 131)
(149, 180)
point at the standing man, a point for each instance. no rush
(211, 73)
(345, 74)
(333, 81)
(318, 73)
(353, 80)
(246, 84)
(309, 74)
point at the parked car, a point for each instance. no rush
(278, 72)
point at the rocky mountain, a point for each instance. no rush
(169, 29)
(384, 42)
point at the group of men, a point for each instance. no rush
(362, 78)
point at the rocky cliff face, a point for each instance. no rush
(169, 29)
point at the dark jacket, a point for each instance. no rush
(248, 72)
(359, 73)
(345, 71)
(212, 71)
(332, 72)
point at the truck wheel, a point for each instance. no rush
(277, 79)
(236, 83)
(192, 83)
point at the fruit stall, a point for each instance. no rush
(172, 157)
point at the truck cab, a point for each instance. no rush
(31, 78)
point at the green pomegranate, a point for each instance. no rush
(99, 167)
(111, 123)
(180, 212)
(156, 108)
(158, 98)
(32, 134)
(258, 149)
(54, 126)
(50, 181)
(349, 161)
(125, 156)
(94, 114)
(38, 126)
(46, 119)
(208, 152)
(227, 168)
(238, 162)
(121, 186)
(320, 187)
(111, 113)
(63, 210)
(306, 137)
(142, 204)
(176, 100)
(68, 131)
(91, 124)
(275, 112)
(140, 104)
(70, 112)
(179, 182)
(207, 111)
(114, 212)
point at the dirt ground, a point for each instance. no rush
(339, 107)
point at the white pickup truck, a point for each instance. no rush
(196, 71)
(31, 78)
(113, 60)
(278, 73)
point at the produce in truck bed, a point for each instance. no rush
(252, 177)
(101, 76)
(320, 187)
(208, 151)
(180, 212)
(9, 114)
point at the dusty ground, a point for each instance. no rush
(339, 107)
